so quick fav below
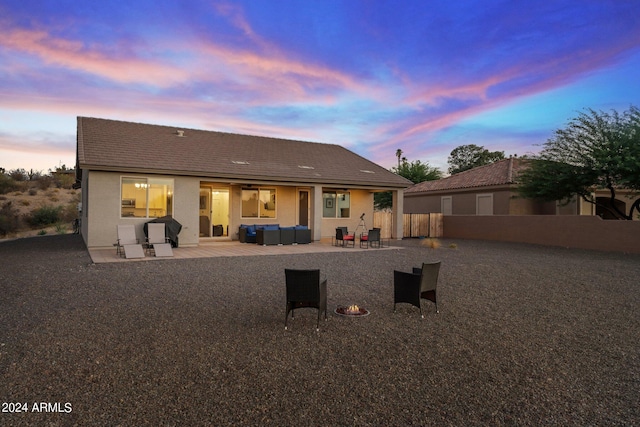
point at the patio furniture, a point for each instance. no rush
(287, 235)
(413, 287)
(305, 290)
(371, 239)
(303, 234)
(343, 237)
(173, 228)
(157, 241)
(268, 235)
(128, 244)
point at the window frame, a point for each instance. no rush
(272, 197)
(146, 182)
(332, 203)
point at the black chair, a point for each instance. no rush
(371, 239)
(413, 287)
(304, 289)
(343, 236)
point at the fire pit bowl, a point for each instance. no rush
(352, 311)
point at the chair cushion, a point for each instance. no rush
(271, 227)
(301, 227)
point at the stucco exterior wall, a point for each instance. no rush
(102, 209)
(361, 202)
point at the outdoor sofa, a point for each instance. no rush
(274, 234)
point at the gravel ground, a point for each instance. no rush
(526, 335)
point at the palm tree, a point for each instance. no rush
(398, 155)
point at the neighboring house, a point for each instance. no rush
(492, 190)
(485, 190)
(212, 182)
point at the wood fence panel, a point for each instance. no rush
(435, 225)
(414, 225)
(383, 221)
(419, 225)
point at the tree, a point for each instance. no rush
(415, 172)
(398, 155)
(469, 156)
(596, 150)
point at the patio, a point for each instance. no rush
(223, 248)
(526, 335)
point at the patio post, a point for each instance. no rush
(397, 226)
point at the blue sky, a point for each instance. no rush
(373, 76)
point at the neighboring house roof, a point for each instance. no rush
(502, 172)
(111, 145)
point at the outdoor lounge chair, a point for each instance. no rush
(413, 287)
(157, 241)
(304, 289)
(128, 244)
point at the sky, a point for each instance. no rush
(373, 76)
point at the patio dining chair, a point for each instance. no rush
(343, 238)
(413, 287)
(128, 244)
(157, 240)
(305, 290)
(370, 239)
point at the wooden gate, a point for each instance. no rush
(414, 225)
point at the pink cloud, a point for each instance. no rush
(76, 55)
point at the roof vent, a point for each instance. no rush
(239, 162)
(180, 133)
(305, 167)
(366, 171)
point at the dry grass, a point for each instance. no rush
(431, 243)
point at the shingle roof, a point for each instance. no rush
(134, 147)
(503, 172)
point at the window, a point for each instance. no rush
(336, 204)
(484, 204)
(259, 203)
(446, 205)
(146, 197)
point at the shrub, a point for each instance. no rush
(44, 182)
(24, 202)
(453, 246)
(61, 228)
(33, 191)
(44, 216)
(42, 232)
(431, 243)
(9, 219)
(7, 184)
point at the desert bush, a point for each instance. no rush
(61, 228)
(45, 182)
(69, 212)
(431, 243)
(7, 184)
(453, 246)
(9, 219)
(33, 191)
(24, 202)
(19, 175)
(64, 180)
(44, 216)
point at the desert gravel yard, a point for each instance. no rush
(526, 335)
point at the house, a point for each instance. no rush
(212, 182)
(492, 190)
